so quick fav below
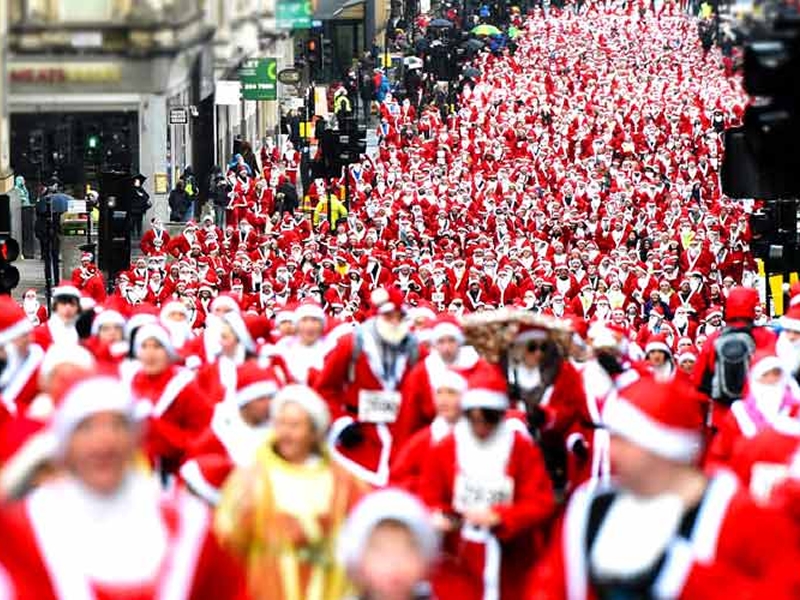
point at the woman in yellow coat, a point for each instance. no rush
(282, 514)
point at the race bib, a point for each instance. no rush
(437, 297)
(477, 494)
(378, 406)
(764, 477)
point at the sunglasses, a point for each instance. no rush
(534, 346)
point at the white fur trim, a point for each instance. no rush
(195, 517)
(712, 514)
(789, 323)
(255, 390)
(653, 346)
(156, 332)
(309, 310)
(484, 399)
(572, 438)
(743, 420)
(66, 290)
(672, 578)
(622, 418)
(19, 328)
(87, 398)
(192, 475)
(443, 330)
(107, 317)
(532, 335)
(308, 399)
(172, 391)
(573, 537)
(24, 372)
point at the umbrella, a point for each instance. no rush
(472, 45)
(440, 24)
(412, 62)
(472, 72)
(486, 30)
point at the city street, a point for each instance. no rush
(399, 300)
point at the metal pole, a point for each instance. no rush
(215, 133)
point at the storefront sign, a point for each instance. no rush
(178, 116)
(289, 76)
(294, 14)
(57, 73)
(259, 78)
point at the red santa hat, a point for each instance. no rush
(486, 388)
(86, 397)
(13, 320)
(307, 399)
(447, 326)
(253, 382)
(225, 301)
(529, 333)
(174, 306)
(448, 379)
(310, 310)
(658, 342)
(87, 257)
(687, 353)
(655, 416)
(237, 323)
(66, 289)
(392, 505)
(155, 331)
(741, 304)
(791, 320)
(25, 444)
(107, 317)
(386, 300)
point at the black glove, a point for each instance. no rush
(609, 363)
(536, 416)
(580, 448)
(351, 436)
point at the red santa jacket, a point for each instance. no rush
(23, 386)
(351, 374)
(42, 558)
(153, 240)
(510, 478)
(727, 555)
(180, 412)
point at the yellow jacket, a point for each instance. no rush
(338, 210)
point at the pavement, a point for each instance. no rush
(31, 275)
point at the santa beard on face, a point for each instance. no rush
(789, 352)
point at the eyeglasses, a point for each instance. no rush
(534, 346)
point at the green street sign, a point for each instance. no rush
(258, 78)
(293, 14)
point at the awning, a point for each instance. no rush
(340, 10)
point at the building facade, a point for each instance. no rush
(129, 85)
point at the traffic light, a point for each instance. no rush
(9, 274)
(313, 54)
(327, 53)
(116, 190)
(91, 146)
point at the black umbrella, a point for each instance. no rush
(440, 24)
(472, 45)
(472, 72)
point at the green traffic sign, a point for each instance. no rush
(293, 14)
(259, 79)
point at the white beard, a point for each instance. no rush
(30, 306)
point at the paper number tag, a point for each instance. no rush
(474, 494)
(437, 297)
(378, 406)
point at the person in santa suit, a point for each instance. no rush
(179, 408)
(406, 466)
(107, 341)
(35, 310)
(218, 377)
(60, 327)
(448, 351)
(88, 279)
(238, 428)
(20, 360)
(772, 396)
(154, 239)
(204, 348)
(740, 311)
(174, 317)
(549, 390)
(304, 352)
(488, 488)
(787, 346)
(363, 380)
(664, 529)
(658, 356)
(389, 547)
(105, 530)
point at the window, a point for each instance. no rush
(85, 11)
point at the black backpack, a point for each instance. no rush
(733, 353)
